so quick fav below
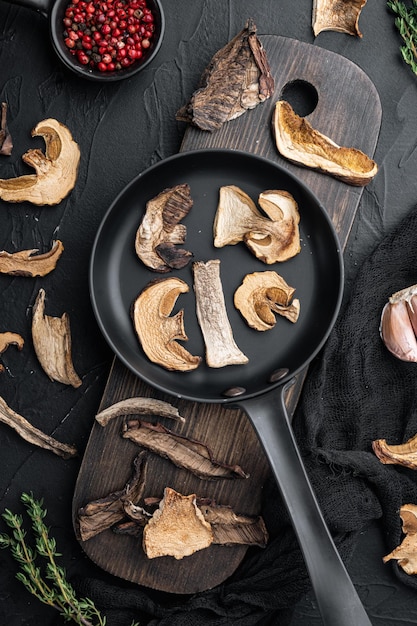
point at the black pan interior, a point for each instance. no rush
(117, 275)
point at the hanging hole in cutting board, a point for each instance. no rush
(301, 95)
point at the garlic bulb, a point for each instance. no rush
(398, 327)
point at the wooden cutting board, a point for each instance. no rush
(347, 109)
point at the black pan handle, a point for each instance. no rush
(43, 6)
(336, 595)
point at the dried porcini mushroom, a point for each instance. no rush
(271, 239)
(138, 406)
(338, 15)
(33, 435)
(398, 326)
(262, 294)
(56, 170)
(230, 528)
(221, 348)
(238, 78)
(52, 342)
(6, 143)
(29, 263)
(299, 142)
(406, 552)
(157, 331)
(194, 456)
(10, 339)
(100, 514)
(177, 528)
(160, 230)
(402, 454)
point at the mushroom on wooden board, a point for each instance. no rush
(299, 142)
(262, 294)
(56, 170)
(271, 239)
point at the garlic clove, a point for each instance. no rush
(397, 331)
(412, 308)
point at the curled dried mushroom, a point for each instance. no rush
(237, 78)
(56, 170)
(262, 294)
(6, 143)
(138, 406)
(10, 339)
(221, 348)
(406, 552)
(298, 141)
(160, 230)
(271, 239)
(157, 331)
(402, 454)
(177, 528)
(29, 263)
(52, 342)
(339, 16)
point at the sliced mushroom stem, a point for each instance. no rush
(29, 263)
(138, 406)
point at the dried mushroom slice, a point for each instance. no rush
(238, 78)
(138, 406)
(221, 348)
(177, 528)
(29, 263)
(33, 435)
(10, 339)
(298, 141)
(338, 15)
(406, 552)
(6, 143)
(271, 239)
(403, 454)
(56, 170)
(230, 528)
(262, 294)
(157, 331)
(160, 230)
(52, 342)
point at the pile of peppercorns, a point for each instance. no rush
(108, 35)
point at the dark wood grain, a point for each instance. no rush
(348, 111)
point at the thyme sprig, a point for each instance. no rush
(406, 23)
(48, 584)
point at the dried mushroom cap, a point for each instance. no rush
(406, 552)
(52, 342)
(262, 294)
(299, 142)
(403, 454)
(339, 16)
(237, 78)
(56, 170)
(29, 263)
(6, 143)
(177, 528)
(157, 331)
(271, 239)
(160, 230)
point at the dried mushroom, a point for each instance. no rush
(403, 454)
(138, 406)
(10, 339)
(160, 230)
(6, 143)
(177, 528)
(221, 348)
(238, 78)
(299, 142)
(338, 15)
(99, 515)
(157, 331)
(56, 170)
(230, 528)
(194, 456)
(28, 263)
(262, 294)
(271, 239)
(32, 434)
(52, 342)
(406, 552)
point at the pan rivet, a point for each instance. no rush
(234, 391)
(278, 374)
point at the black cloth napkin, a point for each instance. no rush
(355, 392)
